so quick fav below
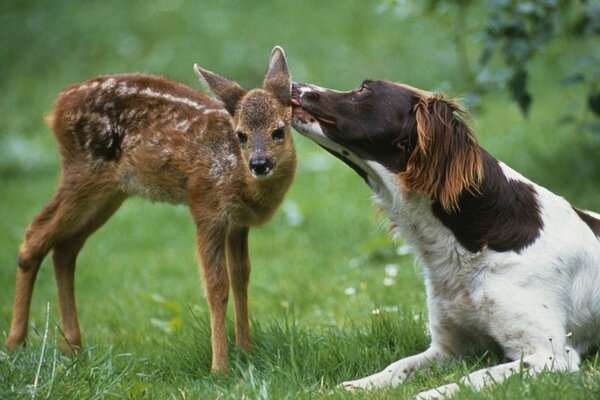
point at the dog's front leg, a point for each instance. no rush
(395, 373)
(531, 365)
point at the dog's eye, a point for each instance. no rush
(278, 134)
(242, 137)
(360, 92)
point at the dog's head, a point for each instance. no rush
(383, 126)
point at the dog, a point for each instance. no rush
(507, 263)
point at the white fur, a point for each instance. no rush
(176, 99)
(541, 305)
(314, 88)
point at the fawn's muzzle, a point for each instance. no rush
(261, 166)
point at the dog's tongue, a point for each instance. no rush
(296, 102)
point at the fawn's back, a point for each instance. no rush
(143, 135)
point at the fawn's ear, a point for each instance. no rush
(278, 80)
(447, 158)
(227, 91)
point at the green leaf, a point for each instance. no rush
(594, 103)
(518, 90)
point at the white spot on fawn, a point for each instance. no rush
(124, 90)
(210, 111)
(224, 161)
(110, 82)
(167, 96)
(183, 125)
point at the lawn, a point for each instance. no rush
(332, 297)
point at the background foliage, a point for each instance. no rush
(516, 32)
(332, 298)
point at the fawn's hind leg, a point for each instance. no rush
(64, 259)
(238, 266)
(36, 245)
(74, 209)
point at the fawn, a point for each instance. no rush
(232, 161)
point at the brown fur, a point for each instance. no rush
(132, 134)
(446, 160)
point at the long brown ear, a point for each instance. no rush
(227, 91)
(278, 80)
(447, 157)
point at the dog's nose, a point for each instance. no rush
(301, 91)
(296, 93)
(261, 166)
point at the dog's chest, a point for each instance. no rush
(458, 297)
(453, 282)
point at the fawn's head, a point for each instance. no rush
(261, 117)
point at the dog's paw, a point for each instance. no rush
(379, 380)
(358, 384)
(441, 392)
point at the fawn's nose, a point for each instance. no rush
(261, 166)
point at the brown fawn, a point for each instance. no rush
(231, 161)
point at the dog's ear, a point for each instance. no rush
(447, 158)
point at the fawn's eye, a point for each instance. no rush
(278, 134)
(242, 137)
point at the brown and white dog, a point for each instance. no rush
(506, 262)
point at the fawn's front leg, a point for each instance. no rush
(238, 266)
(211, 251)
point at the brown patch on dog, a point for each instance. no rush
(504, 215)
(591, 222)
(446, 161)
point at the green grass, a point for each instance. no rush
(318, 267)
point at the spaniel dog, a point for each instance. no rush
(507, 263)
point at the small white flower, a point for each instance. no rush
(403, 250)
(292, 213)
(391, 270)
(355, 262)
(350, 291)
(163, 325)
(317, 162)
(376, 311)
(387, 281)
